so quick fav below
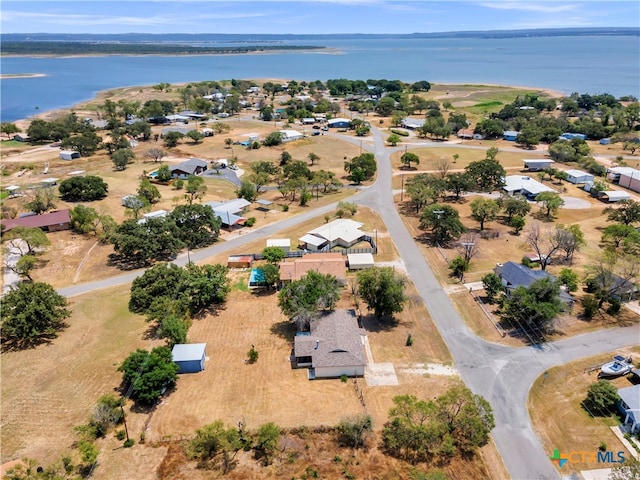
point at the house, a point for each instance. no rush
(360, 261)
(524, 185)
(578, 176)
(49, 222)
(290, 135)
(510, 135)
(240, 261)
(341, 232)
(334, 347)
(620, 288)
(177, 118)
(308, 121)
(21, 137)
(230, 212)
(189, 357)
(193, 166)
(612, 196)
(69, 154)
(154, 214)
(283, 243)
(514, 275)
(614, 174)
(412, 123)
(207, 132)
(324, 263)
(537, 165)
(339, 123)
(629, 406)
(630, 180)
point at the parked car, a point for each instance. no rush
(316, 133)
(325, 128)
(233, 167)
(316, 127)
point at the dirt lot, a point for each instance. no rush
(560, 420)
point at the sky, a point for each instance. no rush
(309, 16)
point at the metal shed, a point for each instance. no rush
(359, 261)
(283, 243)
(613, 195)
(189, 357)
(240, 261)
(69, 154)
(578, 176)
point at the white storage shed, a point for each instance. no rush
(360, 261)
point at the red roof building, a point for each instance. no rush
(49, 222)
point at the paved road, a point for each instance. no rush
(501, 374)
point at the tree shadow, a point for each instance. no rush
(18, 344)
(122, 262)
(285, 330)
(212, 310)
(371, 323)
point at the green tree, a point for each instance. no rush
(484, 210)
(354, 431)
(197, 225)
(301, 299)
(533, 308)
(569, 279)
(171, 139)
(273, 255)
(516, 205)
(529, 136)
(273, 139)
(122, 157)
(9, 129)
(147, 374)
(313, 158)
(195, 136)
(85, 143)
(551, 202)
(140, 243)
(382, 290)
(492, 286)
(214, 443)
(424, 188)
(32, 240)
(601, 398)
(394, 139)
(32, 313)
(386, 106)
(173, 329)
(42, 200)
(627, 212)
(486, 175)
(616, 233)
(247, 190)
(164, 174)
(85, 220)
(443, 221)
(408, 158)
(517, 223)
(195, 188)
(271, 274)
(267, 440)
(361, 168)
(458, 183)
(148, 191)
(83, 189)
(23, 266)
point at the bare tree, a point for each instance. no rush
(155, 154)
(468, 247)
(443, 166)
(544, 244)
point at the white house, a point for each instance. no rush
(155, 214)
(230, 212)
(630, 180)
(412, 123)
(537, 165)
(334, 347)
(629, 406)
(615, 173)
(578, 176)
(290, 135)
(283, 243)
(342, 232)
(524, 185)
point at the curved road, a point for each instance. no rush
(501, 374)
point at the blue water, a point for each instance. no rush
(568, 64)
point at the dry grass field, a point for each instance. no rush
(560, 420)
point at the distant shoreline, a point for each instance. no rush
(6, 76)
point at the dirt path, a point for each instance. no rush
(83, 261)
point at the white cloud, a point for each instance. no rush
(544, 7)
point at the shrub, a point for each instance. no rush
(601, 398)
(403, 133)
(252, 355)
(285, 208)
(590, 306)
(120, 435)
(528, 263)
(129, 443)
(353, 431)
(250, 222)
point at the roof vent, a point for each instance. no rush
(317, 344)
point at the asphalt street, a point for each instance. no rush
(501, 374)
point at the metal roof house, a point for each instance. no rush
(630, 180)
(537, 165)
(510, 135)
(615, 173)
(189, 357)
(290, 135)
(193, 166)
(339, 123)
(341, 232)
(69, 154)
(412, 123)
(612, 196)
(333, 348)
(49, 222)
(578, 176)
(524, 185)
(325, 263)
(629, 406)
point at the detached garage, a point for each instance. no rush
(359, 261)
(189, 357)
(579, 177)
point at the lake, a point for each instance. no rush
(584, 64)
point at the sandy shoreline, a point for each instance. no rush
(7, 76)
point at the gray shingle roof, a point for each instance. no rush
(516, 274)
(335, 341)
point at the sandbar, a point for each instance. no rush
(6, 76)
